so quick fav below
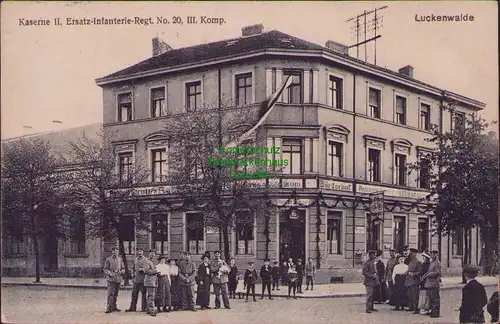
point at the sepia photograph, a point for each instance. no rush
(249, 162)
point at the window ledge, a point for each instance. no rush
(76, 255)
(15, 255)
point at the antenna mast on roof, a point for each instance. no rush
(368, 26)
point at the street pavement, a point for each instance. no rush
(54, 305)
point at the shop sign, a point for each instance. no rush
(335, 185)
(392, 192)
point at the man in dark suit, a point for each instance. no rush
(371, 280)
(473, 298)
(413, 281)
(266, 276)
(432, 283)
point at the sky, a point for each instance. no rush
(49, 72)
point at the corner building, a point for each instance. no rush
(348, 129)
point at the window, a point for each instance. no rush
(292, 151)
(400, 169)
(424, 174)
(127, 232)
(158, 102)
(293, 94)
(244, 89)
(77, 230)
(160, 234)
(374, 102)
(195, 234)
(334, 159)
(15, 244)
(377, 234)
(159, 167)
(457, 242)
(193, 96)
(334, 232)
(423, 234)
(425, 117)
(459, 120)
(193, 165)
(373, 165)
(335, 90)
(399, 234)
(244, 233)
(400, 110)
(125, 107)
(125, 167)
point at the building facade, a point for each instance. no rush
(349, 130)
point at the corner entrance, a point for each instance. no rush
(292, 234)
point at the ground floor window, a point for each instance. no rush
(457, 242)
(399, 232)
(334, 232)
(244, 228)
(423, 234)
(159, 234)
(127, 232)
(15, 244)
(195, 234)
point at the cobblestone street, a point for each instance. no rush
(76, 305)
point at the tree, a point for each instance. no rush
(462, 175)
(33, 194)
(202, 171)
(105, 187)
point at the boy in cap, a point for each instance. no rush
(371, 279)
(300, 275)
(276, 275)
(114, 270)
(310, 273)
(413, 281)
(473, 297)
(250, 279)
(266, 276)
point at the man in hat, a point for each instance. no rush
(114, 270)
(371, 279)
(473, 297)
(151, 281)
(391, 263)
(413, 281)
(406, 253)
(432, 283)
(138, 281)
(220, 278)
(187, 274)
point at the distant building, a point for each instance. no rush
(78, 256)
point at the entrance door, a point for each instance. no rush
(292, 234)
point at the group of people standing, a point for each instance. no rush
(407, 282)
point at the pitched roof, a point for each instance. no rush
(256, 43)
(59, 140)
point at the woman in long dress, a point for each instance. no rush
(204, 282)
(380, 291)
(175, 292)
(163, 297)
(399, 299)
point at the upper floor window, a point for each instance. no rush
(193, 96)
(374, 165)
(425, 117)
(293, 94)
(374, 96)
(159, 165)
(125, 107)
(125, 167)
(244, 89)
(458, 120)
(127, 233)
(292, 151)
(401, 110)
(159, 234)
(334, 158)
(400, 169)
(335, 89)
(158, 102)
(424, 173)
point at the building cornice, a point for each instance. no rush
(347, 61)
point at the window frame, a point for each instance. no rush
(337, 215)
(153, 238)
(397, 171)
(427, 125)
(164, 111)
(380, 233)
(247, 244)
(405, 239)
(459, 235)
(405, 109)
(186, 237)
(289, 91)
(163, 175)
(340, 92)
(330, 157)
(130, 178)
(422, 220)
(77, 238)
(237, 77)
(368, 177)
(369, 106)
(130, 93)
(290, 163)
(129, 245)
(186, 95)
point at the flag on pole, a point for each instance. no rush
(265, 110)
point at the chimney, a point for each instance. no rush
(160, 47)
(337, 47)
(407, 70)
(252, 30)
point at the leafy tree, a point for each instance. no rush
(33, 194)
(106, 193)
(463, 178)
(200, 170)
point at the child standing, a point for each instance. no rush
(250, 279)
(266, 276)
(292, 281)
(310, 273)
(233, 278)
(276, 276)
(300, 275)
(284, 274)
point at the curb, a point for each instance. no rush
(340, 295)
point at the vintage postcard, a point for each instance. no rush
(249, 162)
